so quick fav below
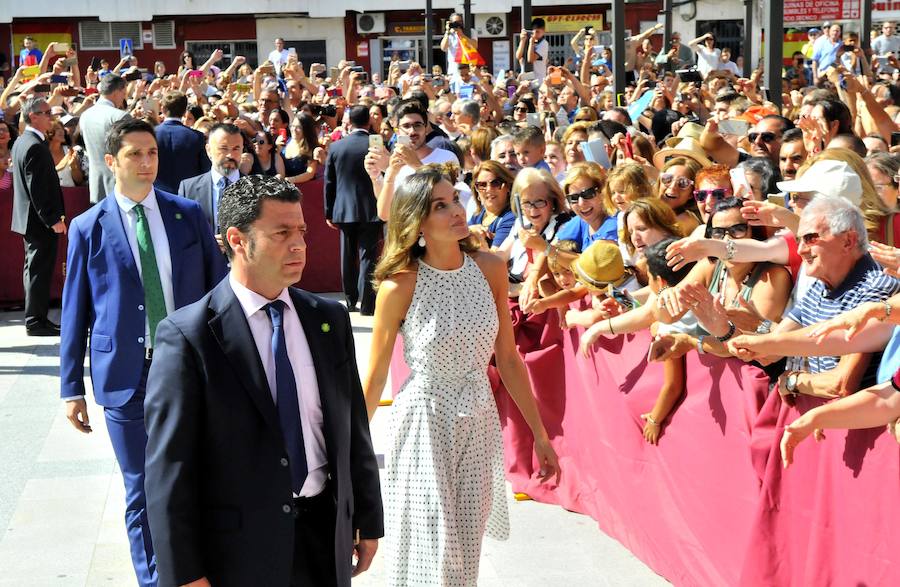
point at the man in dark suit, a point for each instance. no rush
(224, 147)
(182, 150)
(38, 214)
(260, 469)
(350, 207)
(135, 257)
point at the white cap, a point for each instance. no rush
(829, 177)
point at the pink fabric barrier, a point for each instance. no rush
(323, 257)
(12, 291)
(690, 507)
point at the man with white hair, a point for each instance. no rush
(834, 248)
(466, 115)
(503, 150)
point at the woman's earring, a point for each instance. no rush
(422, 240)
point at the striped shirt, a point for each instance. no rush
(865, 282)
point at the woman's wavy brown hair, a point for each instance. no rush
(409, 208)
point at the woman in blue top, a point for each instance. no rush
(494, 217)
(583, 187)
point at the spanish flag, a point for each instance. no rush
(467, 52)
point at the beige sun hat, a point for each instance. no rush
(691, 130)
(686, 147)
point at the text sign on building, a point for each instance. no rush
(886, 10)
(818, 11)
(571, 23)
(407, 28)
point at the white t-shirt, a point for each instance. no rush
(542, 48)
(278, 58)
(707, 60)
(730, 66)
(452, 45)
(436, 156)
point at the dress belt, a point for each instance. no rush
(473, 389)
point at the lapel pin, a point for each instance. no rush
(326, 327)
(177, 215)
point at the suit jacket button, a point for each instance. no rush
(286, 508)
(141, 339)
(141, 307)
(284, 462)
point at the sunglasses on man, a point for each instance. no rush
(767, 137)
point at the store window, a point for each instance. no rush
(201, 50)
(309, 51)
(409, 49)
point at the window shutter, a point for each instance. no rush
(126, 30)
(164, 34)
(94, 35)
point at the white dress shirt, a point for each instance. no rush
(36, 131)
(311, 419)
(160, 247)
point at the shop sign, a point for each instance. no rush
(818, 11)
(406, 28)
(571, 23)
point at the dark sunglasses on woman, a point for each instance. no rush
(734, 231)
(495, 183)
(588, 194)
(718, 194)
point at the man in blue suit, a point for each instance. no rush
(182, 150)
(137, 256)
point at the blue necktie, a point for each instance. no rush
(286, 398)
(223, 183)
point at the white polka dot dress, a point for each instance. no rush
(445, 485)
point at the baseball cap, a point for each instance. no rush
(814, 31)
(829, 177)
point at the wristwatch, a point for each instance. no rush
(700, 344)
(764, 327)
(790, 383)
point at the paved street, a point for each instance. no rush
(62, 499)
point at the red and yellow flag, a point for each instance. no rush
(467, 52)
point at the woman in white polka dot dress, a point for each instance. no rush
(444, 482)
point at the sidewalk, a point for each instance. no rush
(62, 499)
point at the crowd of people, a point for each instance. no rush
(690, 206)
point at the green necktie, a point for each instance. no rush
(154, 300)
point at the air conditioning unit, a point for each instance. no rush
(490, 25)
(370, 23)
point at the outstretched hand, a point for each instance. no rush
(795, 433)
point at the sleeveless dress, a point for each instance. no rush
(445, 485)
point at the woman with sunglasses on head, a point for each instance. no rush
(266, 159)
(676, 188)
(494, 219)
(444, 477)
